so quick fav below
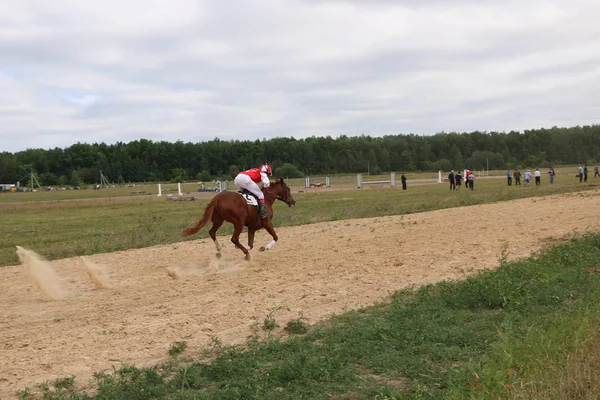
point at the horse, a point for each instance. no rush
(232, 207)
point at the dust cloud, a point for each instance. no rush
(97, 274)
(42, 274)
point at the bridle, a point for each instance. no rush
(278, 196)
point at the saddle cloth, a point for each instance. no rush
(249, 197)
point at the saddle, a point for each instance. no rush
(249, 197)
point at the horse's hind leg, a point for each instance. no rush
(217, 222)
(235, 238)
(251, 233)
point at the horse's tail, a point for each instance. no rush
(196, 226)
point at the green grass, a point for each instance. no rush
(526, 330)
(63, 229)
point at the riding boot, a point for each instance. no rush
(262, 210)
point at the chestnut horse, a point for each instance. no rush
(232, 207)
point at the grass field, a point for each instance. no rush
(59, 229)
(528, 330)
(150, 190)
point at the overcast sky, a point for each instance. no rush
(191, 70)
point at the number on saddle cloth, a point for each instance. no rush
(249, 197)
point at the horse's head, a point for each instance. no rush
(282, 192)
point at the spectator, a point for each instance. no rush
(451, 179)
(403, 179)
(552, 175)
(527, 177)
(517, 176)
(596, 171)
(580, 174)
(471, 179)
(585, 172)
(538, 177)
(509, 177)
(458, 178)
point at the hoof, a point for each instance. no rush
(262, 248)
(247, 257)
(218, 255)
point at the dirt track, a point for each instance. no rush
(317, 270)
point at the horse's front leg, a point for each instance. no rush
(269, 228)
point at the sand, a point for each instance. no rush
(158, 295)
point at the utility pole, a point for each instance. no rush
(103, 181)
(368, 169)
(33, 178)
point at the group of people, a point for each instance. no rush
(583, 173)
(516, 175)
(456, 178)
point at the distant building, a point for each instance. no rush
(8, 187)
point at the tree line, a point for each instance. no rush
(144, 160)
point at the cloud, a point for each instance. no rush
(194, 70)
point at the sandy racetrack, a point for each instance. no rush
(317, 270)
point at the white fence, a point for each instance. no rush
(220, 186)
(360, 183)
(326, 183)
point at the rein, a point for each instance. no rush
(277, 196)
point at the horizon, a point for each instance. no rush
(306, 138)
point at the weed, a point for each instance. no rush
(269, 323)
(64, 383)
(177, 348)
(215, 343)
(503, 254)
(297, 326)
(25, 394)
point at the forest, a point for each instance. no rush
(150, 161)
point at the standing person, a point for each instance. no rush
(458, 179)
(451, 179)
(580, 174)
(249, 180)
(403, 179)
(596, 171)
(585, 173)
(517, 176)
(471, 180)
(552, 175)
(538, 177)
(527, 177)
(509, 177)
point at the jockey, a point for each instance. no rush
(249, 180)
